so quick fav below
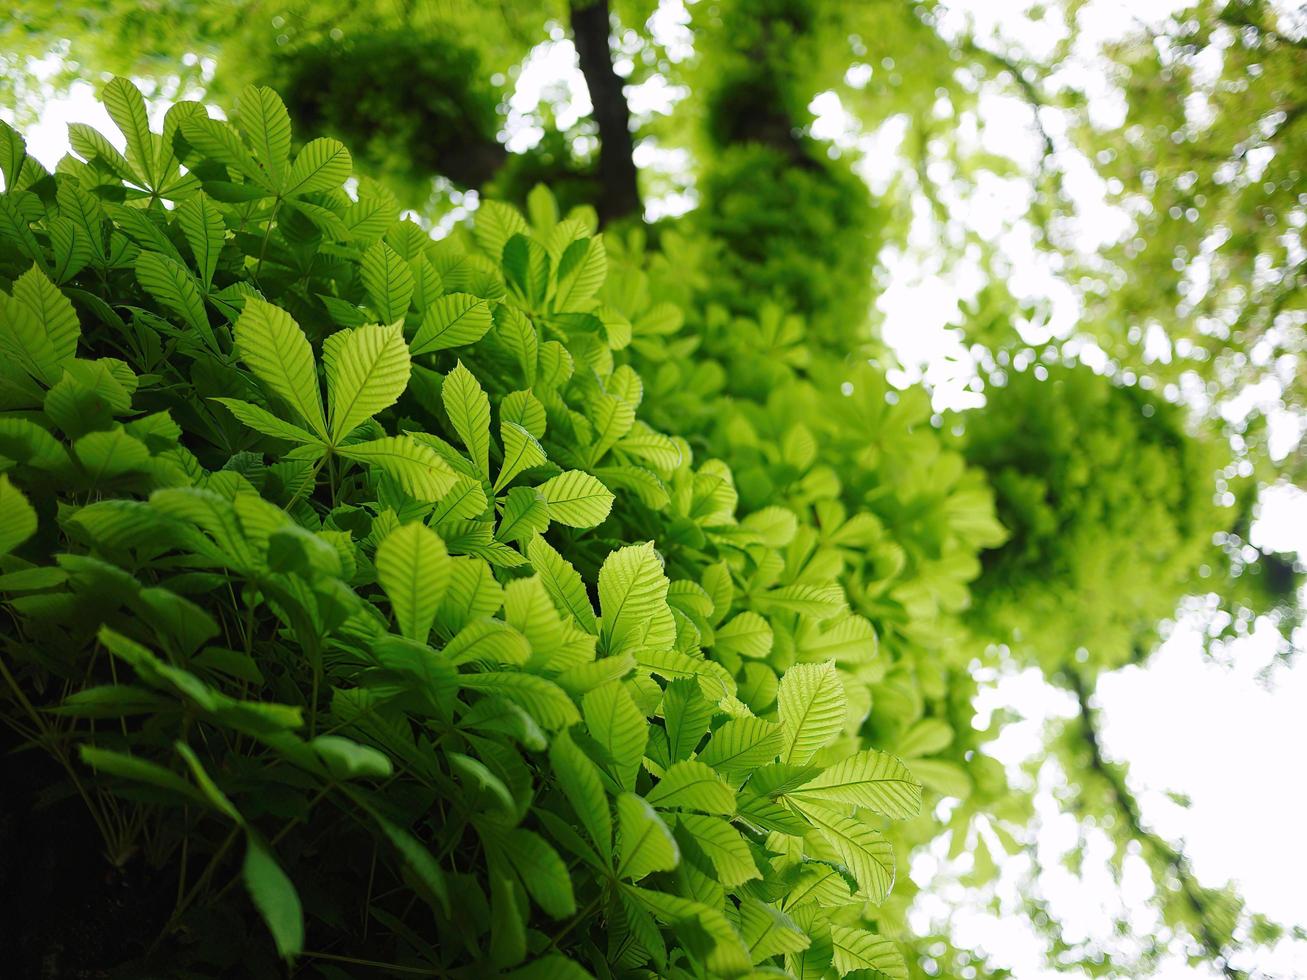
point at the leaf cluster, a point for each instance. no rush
(357, 600)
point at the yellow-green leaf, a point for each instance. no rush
(367, 370)
(469, 412)
(577, 499)
(414, 568)
(278, 353)
(17, 518)
(812, 707)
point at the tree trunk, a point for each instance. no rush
(619, 195)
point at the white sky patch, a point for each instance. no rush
(551, 73)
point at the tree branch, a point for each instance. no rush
(619, 191)
(1175, 859)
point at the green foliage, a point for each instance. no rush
(1212, 257)
(283, 587)
(851, 480)
(410, 103)
(800, 233)
(1110, 505)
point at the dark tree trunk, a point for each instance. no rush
(619, 195)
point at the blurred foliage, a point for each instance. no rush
(1208, 161)
(411, 105)
(1109, 501)
(793, 229)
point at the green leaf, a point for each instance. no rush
(865, 852)
(544, 700)
(17, 518)
(619, 727)
(92, 145)
(367, 370)
(645, 845)
(498, 715)
(110, 453)
(322, 165)
(15, 225)
(871, 779)
(261, 420)
(347, 759)
(388, 281)
(850, 639)
(274, 896)
(541, 869)
(768, 931)
(27, 443)
(945, 778)
(214, 796)
(812, 706)
(479, 783)
(488, 641)
(581, 271)
(519, 337)
(742, 745)
(419, 861)
(633, 600)
(562, 582)
(857, 949)
(466, 500)
(813, 963)
(816, 601)
(578, 777)
(526, 270)
(469, 412)
(541, 209)
(126, 108)
(263, 121)
(278, 353)
(508, 915)
(494, 225)
(819, 884)
(218, 141)
(525, 515)
(747, 635)
(413, 568)
(172, 284)
(692, 785)
(72, 249)
(173, 184)
(611, 419)
(526, 410)
(201, 222)
(687, 715)
(81, 207)
(926, 737)
(454, 320)
(724, 846)
(139, 770)
(105, 700)
(39, 329)
(419, 469)
(17, 168)
(577, 499)
(521, 452)
(724, 953)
